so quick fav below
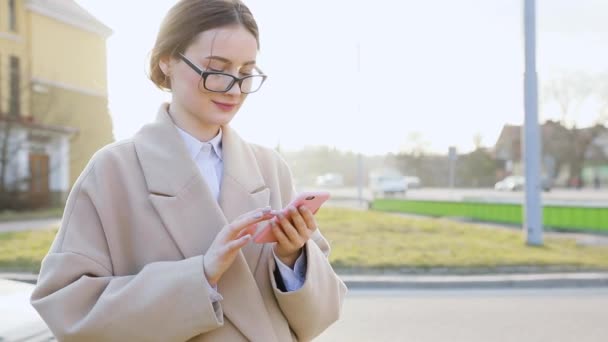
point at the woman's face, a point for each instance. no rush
(231, 50)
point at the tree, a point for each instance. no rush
(476, 169)
(570, 91)
(478, 140)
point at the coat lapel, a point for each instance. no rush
(243, 188)
(193, 218)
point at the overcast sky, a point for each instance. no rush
(441, 70)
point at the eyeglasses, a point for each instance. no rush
(220, 82)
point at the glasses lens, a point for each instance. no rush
(252, 84)
(217, 82)
(222, 83)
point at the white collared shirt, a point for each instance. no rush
(208, 158)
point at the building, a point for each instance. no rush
(53, 98)
(569, 155)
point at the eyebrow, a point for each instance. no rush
(226, 60)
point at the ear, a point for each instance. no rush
(165, 65)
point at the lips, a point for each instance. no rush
(226, 107)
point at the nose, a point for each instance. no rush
(235, 89)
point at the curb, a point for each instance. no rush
(494, 281)
(420, 282)
(30, 278)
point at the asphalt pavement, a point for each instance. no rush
(497, 315)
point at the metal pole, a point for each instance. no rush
(360, 179)
(359, 157)
(452, 167)
(532, 149)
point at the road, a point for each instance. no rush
(473, 315)
(410, 315)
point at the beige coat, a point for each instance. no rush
(127, 262)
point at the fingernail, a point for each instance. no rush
(258, 215)
(275, 212)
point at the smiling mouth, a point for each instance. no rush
(225, 106)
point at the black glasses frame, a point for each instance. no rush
(204, 74)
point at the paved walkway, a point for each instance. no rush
(18, 226)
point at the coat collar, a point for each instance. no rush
(178, 169)
(193, 217)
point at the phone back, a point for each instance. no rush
(312, 200)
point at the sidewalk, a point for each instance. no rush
(18, 226)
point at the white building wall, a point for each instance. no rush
(59, 164)
(18, 168)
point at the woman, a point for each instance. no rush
(154, 243)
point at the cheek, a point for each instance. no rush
(191, 81)
(189, 91)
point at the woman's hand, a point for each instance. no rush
(292, 228)
(229, 241)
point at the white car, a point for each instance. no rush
(330, 180)
(511, 183)
(388, 184)
(19, 321)
(517, 183)
(413, 182)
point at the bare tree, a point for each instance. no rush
(570, 91)
(478, 140)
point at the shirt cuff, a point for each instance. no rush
(213, 294)
(292, 278)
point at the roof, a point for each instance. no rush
(508, 134)
(69, 12)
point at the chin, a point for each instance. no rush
(222, 118)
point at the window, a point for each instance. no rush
(12, 16)
(15, 88)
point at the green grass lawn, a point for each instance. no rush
(23, 251)
(377, 241)
(554, 216)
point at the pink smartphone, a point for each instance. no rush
(312, 200)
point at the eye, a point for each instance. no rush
(247, 72)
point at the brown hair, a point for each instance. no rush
(185, 20)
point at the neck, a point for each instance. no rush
(191, 124)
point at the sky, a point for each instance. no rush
(374, 77)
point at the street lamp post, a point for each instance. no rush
(532, 150)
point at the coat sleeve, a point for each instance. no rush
(80, 299)
(318, 303)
